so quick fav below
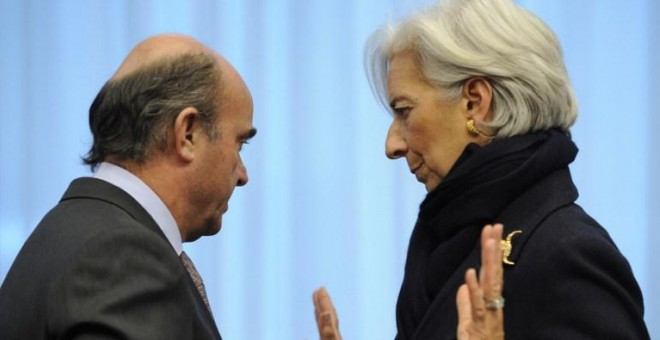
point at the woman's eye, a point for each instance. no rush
(402, 111)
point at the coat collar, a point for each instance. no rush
(93, 188)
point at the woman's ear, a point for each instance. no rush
(186, 133)
(478, 93)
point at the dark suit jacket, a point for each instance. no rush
(98, 267)
(569, 280)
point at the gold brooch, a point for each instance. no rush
(506, 247)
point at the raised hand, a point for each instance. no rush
(479, 300)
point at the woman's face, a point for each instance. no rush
(427, 130)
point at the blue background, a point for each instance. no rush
(323, 206)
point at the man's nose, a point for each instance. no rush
(242, 174)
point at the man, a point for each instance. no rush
(107, 261)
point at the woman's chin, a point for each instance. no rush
(431, 185)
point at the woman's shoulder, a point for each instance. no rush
(571, 227)
(570, 268)
(569, 239)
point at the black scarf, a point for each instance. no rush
(482, 182)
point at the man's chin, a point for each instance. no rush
(214, 228)
(210, 230)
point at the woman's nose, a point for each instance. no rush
(395, 144)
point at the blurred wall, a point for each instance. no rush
(323, 206)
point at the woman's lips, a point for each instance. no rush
(415, 172)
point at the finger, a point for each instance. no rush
(497, 258)
(326, 316)
(320, 307)
(323, 301)
(327, 328)
(489, 284)
(491, 269)
(485, 236)
(478, 309)
(317, 307)
(464, 312)
(497, 236)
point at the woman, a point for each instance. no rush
(482, 107)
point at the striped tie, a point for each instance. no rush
(190, 267)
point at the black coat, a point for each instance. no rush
(98, 267)
(568, 280)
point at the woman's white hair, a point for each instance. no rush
(455, 40)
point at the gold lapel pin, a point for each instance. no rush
(506, 247)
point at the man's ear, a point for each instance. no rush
(478, 94)
(187, 132)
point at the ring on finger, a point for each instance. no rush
(494, 303)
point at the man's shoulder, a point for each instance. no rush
(81, 221)
(91, 206)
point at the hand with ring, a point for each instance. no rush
(479, 300)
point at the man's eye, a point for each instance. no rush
(240, 146)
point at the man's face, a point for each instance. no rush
(220, 167)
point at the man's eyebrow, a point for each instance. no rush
(248, 135)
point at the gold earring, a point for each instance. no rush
(471, 128)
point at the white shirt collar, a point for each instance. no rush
(147, 198)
